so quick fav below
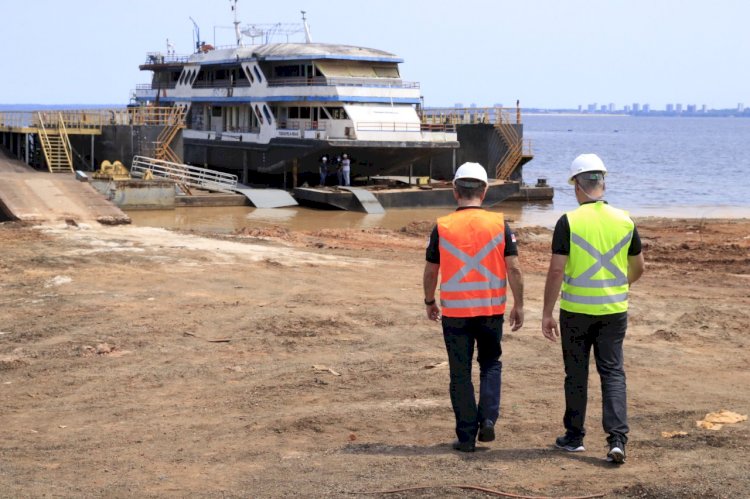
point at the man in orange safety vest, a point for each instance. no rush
(474, 253)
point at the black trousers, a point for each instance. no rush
(605, 333)
(460, 335)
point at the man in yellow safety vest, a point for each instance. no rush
(596, 256)
(474, 252)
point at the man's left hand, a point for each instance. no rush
(516, 318)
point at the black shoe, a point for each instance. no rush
(464, 446)
(486, 431)
(569, 443)
(616, 452)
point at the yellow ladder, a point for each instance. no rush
(55, 144)
(514, 148)
(174, 123)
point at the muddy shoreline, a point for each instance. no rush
(141, 362)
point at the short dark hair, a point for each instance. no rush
(469, 189)
(589, 181)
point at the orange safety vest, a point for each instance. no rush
(472, 263)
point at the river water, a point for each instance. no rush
(661, 166)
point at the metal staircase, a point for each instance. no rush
(513, 156)
(55, 144)
(175, 122)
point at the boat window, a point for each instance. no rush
(293, 113)
(390, 71)
(257, 113)
(337, 113)
(216, 112)
(257, 73)
(175, 75)
(304, 113)
(268, 114)
(249, 74)
(182, 77)
(358, 69)
(288, 71)
(193, 75)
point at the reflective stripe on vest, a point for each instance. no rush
(603, 260)
(474, 302)
(610, 232)
(472, 263)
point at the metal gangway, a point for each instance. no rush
(191, 176)
(211, 180)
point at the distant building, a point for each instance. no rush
(740, 108)
(458, 104)
(603, 108)
(691, 108)
(704, 108)
(636, 107)
(670, 108)
(611, 107)
(646, 108)
(591, 108)
(627, 109)
(580, 108)
(678, 108)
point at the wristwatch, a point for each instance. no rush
(429, 302)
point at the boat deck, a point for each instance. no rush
(406, 197)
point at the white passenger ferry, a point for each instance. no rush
(271, 109)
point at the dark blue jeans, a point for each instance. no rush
(579, 332)
(460, 334)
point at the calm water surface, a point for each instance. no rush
(674, 167)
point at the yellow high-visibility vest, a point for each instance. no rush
(596, 273)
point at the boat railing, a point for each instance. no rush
(15, 120)
(240, 129)
(91, 119)
(192, 176)
(240, 82)
(150, 86)
(471, 115)
(321, 81)
(528, 149)
(438, 127)
(382, 126)
(161, 58)
(301, 125)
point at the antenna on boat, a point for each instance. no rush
(308, 37)
(196, 35)
(236, 23)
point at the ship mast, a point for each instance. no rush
(236, 23)
(308, 37)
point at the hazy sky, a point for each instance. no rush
(547, 53)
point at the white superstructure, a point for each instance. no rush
(291, 90)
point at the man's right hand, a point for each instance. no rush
(549, 328)
(433, 312)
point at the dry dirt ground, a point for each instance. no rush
(138, 362)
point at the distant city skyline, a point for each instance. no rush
(547, 53)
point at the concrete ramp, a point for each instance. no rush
(267, 198)
(369, 202)
(38, 197)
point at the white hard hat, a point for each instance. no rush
(586, 163)
(473, 171)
